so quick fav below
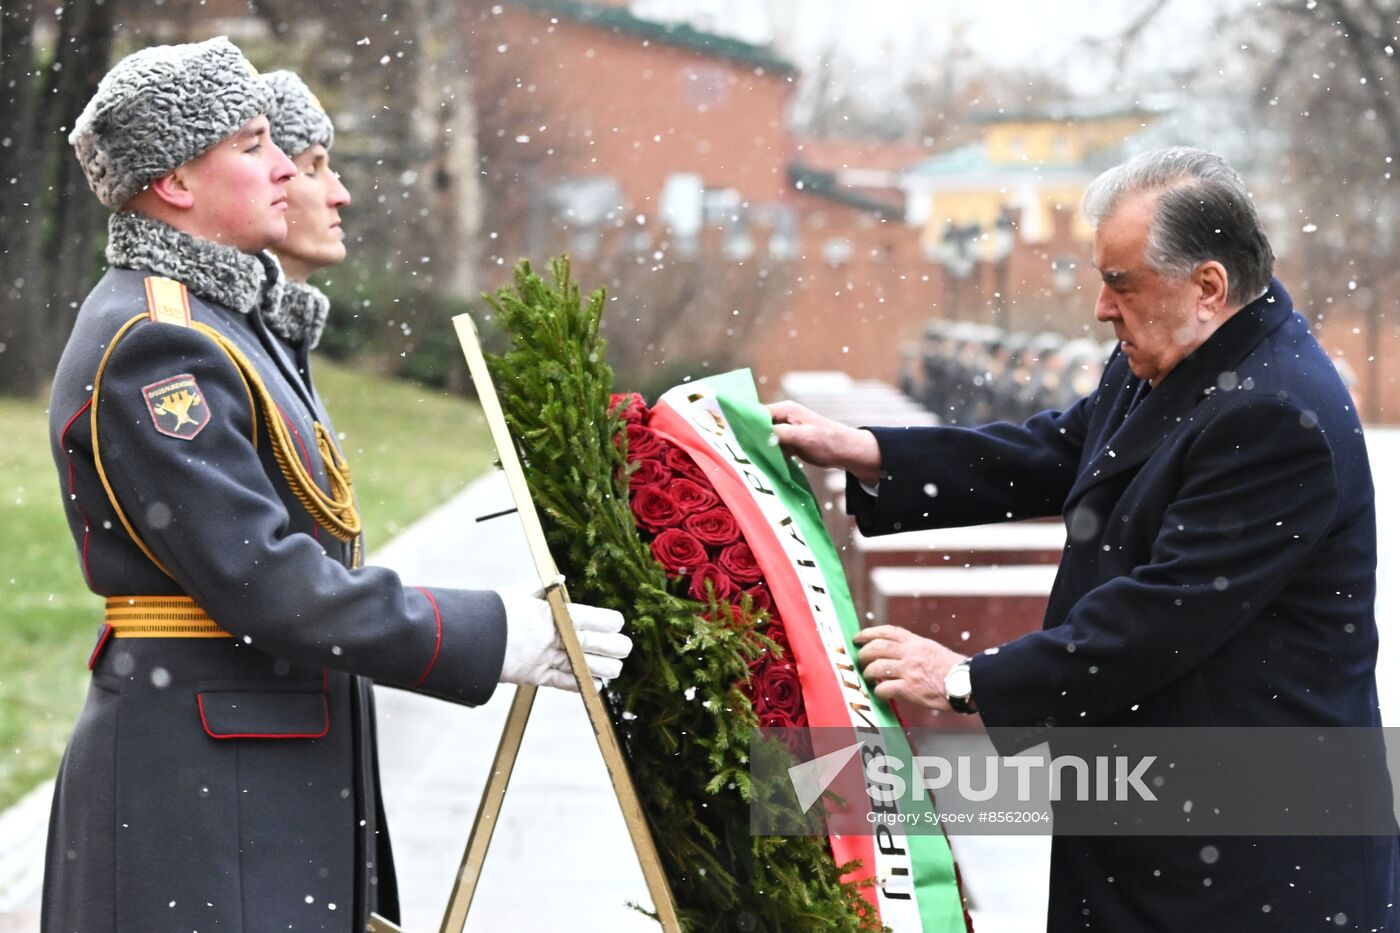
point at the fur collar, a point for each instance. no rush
(301, 314)
(242, 282)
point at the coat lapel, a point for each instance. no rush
(1206, 371)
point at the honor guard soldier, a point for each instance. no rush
(222, 774)
(302, 129)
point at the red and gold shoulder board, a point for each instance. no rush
(167, 301)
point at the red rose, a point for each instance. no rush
(760, 598)
(778, 689)
(648, 472)
(710, 574)
(716, 527)
(642, 443)
(680, 463)
(678, 551)
(735, 617)
(778, 635)
(692, 496)
(631, 406)
(797, 741)
(655, 509)
(738, 561)
(774, 719)
(747, 619)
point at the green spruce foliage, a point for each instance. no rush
(681, 717)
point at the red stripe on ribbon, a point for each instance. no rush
(821, 692)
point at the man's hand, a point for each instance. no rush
(906, 667)
(534, 653)
(825, 443)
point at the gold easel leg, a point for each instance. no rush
(623, 787)
(626, 792)
(488, 814)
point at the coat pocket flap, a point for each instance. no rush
(264, 715)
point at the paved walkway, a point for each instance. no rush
(561, 857)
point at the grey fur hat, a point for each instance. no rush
(160, 107)
(298, 119)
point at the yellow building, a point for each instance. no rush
(1032, 165)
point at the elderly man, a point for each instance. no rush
(1220, 564)
(222, 774)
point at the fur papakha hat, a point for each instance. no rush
(160, 107)
(298, 119)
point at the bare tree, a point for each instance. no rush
(515, 160)
(681, 315)
(20, 170)
(52, 224)
(396, 77)
(832, 103)
(77, 220)
(1322, 74)
(946, 105)
(1327, 69)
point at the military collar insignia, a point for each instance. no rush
(167, 301)
(239, 281)
(177, 406)
(300, 316)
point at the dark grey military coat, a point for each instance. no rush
(226, 783)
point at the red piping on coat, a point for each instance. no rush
(437, 614)
(101, 643)
(264, 735)
(73, 491)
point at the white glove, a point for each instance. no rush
(534, 653)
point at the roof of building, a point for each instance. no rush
(972, 160)
(960, 161)
(823, 184)
(1078, 111)
(622, 21)
(1226, 124)
(834, 155)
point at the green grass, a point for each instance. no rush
(47, 616)
(409, 449)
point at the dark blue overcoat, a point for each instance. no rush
(1219, 571)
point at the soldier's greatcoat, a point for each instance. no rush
(225, 783)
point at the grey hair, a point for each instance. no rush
(1204, 213)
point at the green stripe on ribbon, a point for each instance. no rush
(935, 884)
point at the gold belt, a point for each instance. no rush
(159, 617)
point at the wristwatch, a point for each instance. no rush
(958, 686)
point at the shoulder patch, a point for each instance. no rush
(177, 406)
(167, 301)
